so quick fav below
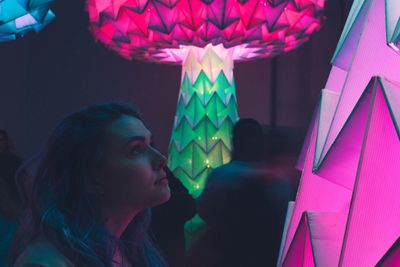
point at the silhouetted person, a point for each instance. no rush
(244, 206)
(169, 218)
(9, 199)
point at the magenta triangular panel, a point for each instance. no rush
(342, 159)
(374, 218)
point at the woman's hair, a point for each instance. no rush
(57, 205)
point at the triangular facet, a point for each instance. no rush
(374, 216)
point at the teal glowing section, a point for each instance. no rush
(206, 112)
(17, 17)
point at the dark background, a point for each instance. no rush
(45, 76)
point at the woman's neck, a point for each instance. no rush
(117, 220)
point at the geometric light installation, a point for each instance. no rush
(349, 209)
(205, 37)
(316, 240)
(17, 17)
(351, 168)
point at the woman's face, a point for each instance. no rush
(132, 177)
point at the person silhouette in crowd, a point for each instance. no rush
(169, 218)
(244, 205)
(9, 199)
(87, 201)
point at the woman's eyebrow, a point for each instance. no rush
(136, 138)
(140, 138)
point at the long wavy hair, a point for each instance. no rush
(57, 205)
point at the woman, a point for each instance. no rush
(88, 202)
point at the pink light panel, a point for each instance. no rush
(374, 217)
(153, 29)
(347, 212)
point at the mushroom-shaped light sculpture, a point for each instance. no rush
(17, 17)
(205, 37)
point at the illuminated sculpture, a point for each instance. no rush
(205, 37)
(347, 212)
(17, 17)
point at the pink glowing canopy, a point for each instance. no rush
(154, 30)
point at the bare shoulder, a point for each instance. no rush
(42, 253)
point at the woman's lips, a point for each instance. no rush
(163, 181)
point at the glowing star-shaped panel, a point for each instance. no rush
(17, 17)
(154, 29)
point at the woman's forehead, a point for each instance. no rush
(128, 127)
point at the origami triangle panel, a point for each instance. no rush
(201, 160)
(336, 79)
(392, 256)
(307, 140)
(317, 194)
(392, 95)
(393, 24)
(329, 100)
(383, 61)
(326, 231)
(300, 252)
(340, 164)
(11, 10)
(272, 14)
(374, 217)
(317, 241)
(200, 134)
(351, 34)
(289, 213)
(187, 89)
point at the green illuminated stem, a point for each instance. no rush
(206, 112)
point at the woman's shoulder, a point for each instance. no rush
(42, 253)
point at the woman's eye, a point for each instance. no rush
(137, 149)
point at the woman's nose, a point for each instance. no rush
(159, 160)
